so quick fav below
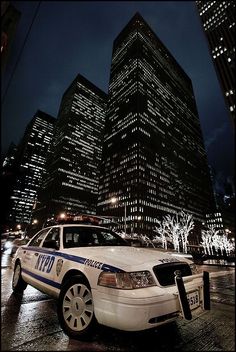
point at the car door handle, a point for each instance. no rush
(36, 254)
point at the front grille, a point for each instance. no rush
(165, 272)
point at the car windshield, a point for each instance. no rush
(76, 236)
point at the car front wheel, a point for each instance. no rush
(75, 308)
(18, 284)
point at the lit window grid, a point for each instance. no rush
(78, 146)
(113, 115)
(39, 134)
(219, 24)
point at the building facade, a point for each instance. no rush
(153, 160)
(218, 22)
(71, 182)
(29, 167)
(8, 173)
(223, 217)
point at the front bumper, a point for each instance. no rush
(141, 309)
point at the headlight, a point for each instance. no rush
(194, 268)
(126, 281)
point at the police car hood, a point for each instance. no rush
(124, 257)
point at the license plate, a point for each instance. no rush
(193, 299)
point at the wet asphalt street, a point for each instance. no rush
(29, 323)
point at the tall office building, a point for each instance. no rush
(9, 158)
(71, 183)
(8, 173)
(30, 166)
(218, 21)
(153, 159)
(223, 217)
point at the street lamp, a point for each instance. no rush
(114, 200)
(62, 216)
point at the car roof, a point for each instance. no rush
(77, 225)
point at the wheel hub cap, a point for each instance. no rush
(77, 306)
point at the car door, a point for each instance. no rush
(49, 246)
(30, 256)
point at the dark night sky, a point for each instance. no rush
(71, 37)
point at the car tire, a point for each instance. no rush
(75, 308)
(18, 284)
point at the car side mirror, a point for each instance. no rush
(50, 244)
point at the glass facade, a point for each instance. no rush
(153, 159)
(71, 183)
(30, 166)
(218, 21)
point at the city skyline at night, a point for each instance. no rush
(87, 44)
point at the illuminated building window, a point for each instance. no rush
(72, 173)
(151, 103)
(218, 23)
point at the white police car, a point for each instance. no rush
(97, 277)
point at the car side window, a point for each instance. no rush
(38, 238)
(84, 237)
(52, 236)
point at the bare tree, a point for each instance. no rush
(186, 225)
(228, 245)
(172, 226)
(209, 239)
(217, 242)
(206, 239)
(175, 229)
(223, 243)
(147, 240)
(162, 230)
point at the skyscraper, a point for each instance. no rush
(153, 159)
(218, 21)
(7, 182)
(30, 166)
(71, 183)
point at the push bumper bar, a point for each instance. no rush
(185, 308)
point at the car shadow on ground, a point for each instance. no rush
(163, 338)
(166, 337)
(147, 340)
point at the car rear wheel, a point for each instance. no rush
(75, 308)
(18, 284)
